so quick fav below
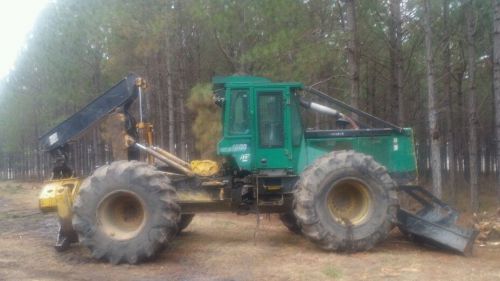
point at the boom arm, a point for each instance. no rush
(349, 108)
(122, 94)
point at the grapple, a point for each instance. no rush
(58, 196)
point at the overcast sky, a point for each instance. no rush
(17, 18)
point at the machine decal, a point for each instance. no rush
(237, 147)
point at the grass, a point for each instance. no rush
(12, 189)
(332, 272)
(225, 224)
(5, 216)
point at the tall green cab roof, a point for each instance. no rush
(234, 79)
(222, 81)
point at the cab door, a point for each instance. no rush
(273, 147)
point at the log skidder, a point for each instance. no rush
(336, 186)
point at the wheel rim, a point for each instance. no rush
(121, 215)
(349, 201)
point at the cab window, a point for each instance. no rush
(239, 123)
(271, 120)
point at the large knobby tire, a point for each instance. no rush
(184, 221)
(126, 212)
(290, 221)
(346, 201)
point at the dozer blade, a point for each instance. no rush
(435, 223)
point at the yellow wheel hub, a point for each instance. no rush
(349, 201)
(121, 215)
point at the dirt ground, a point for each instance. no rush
(221, 247)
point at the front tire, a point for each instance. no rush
(346, 201)
(184, 221)
(126, 212)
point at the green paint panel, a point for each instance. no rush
(395, 151)
(262, 130)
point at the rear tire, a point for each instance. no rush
(346, 201)
(126, 212)
(290, 221)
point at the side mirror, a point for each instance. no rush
(218, 100)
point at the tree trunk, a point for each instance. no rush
(496, 86)
(161, 118)
(396, 59)
(183, 82)
(450, 152)
(432, 112)
(352, 50)
(170, 98)
(182, 113)
(372, 90)
(473, 123)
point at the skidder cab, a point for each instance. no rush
(337, 186)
